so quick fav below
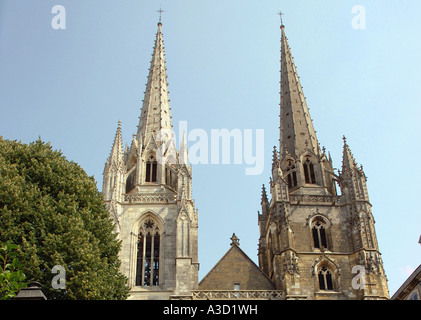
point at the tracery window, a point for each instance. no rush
(147, 268)
(309, 171)
(319, 234)
(325, 279)
(151, 169)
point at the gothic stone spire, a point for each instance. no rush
(155, 114)
(264, 195)
(150, 199)
(348, 161)
(297, 132)
(114, 168)
(307, 220)
(116, 155)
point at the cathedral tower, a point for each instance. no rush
(147, 188)
(314, 243)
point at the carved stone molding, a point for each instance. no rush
(237, 294)
(150, 198)
(290, 263)
(319, 199)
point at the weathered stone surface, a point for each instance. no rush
(235, 268)
(148, 192)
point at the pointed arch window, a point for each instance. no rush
(148, 259)
(319, 234)
(309, 175)
(325, 279)
(151, 169)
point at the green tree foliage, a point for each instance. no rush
(54, 212)
(12, 279)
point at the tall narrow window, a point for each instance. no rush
(148, 260)
(289, 181)
(139, 260)
(148, 172)
(316, 238)
(154, 170)
(147, 267)
(294, 178)
(151, 170)
(309, 175)
(325, 279)
(155, 276)
(319, 235)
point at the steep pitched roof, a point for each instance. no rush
(235, 267)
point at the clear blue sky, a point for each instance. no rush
(72, 86)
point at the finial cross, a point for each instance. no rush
(235, 240)
(160, 11)
(280, 14)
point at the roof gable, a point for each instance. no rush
(235, 267)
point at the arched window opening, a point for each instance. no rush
(309, 175)
(147, 269)
(291, 174)
(319, 235)
(151, 170)
(325, 279)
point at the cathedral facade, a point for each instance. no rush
(314, 243)
(147, 188)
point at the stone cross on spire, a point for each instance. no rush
(160, 11)
(281, 14)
